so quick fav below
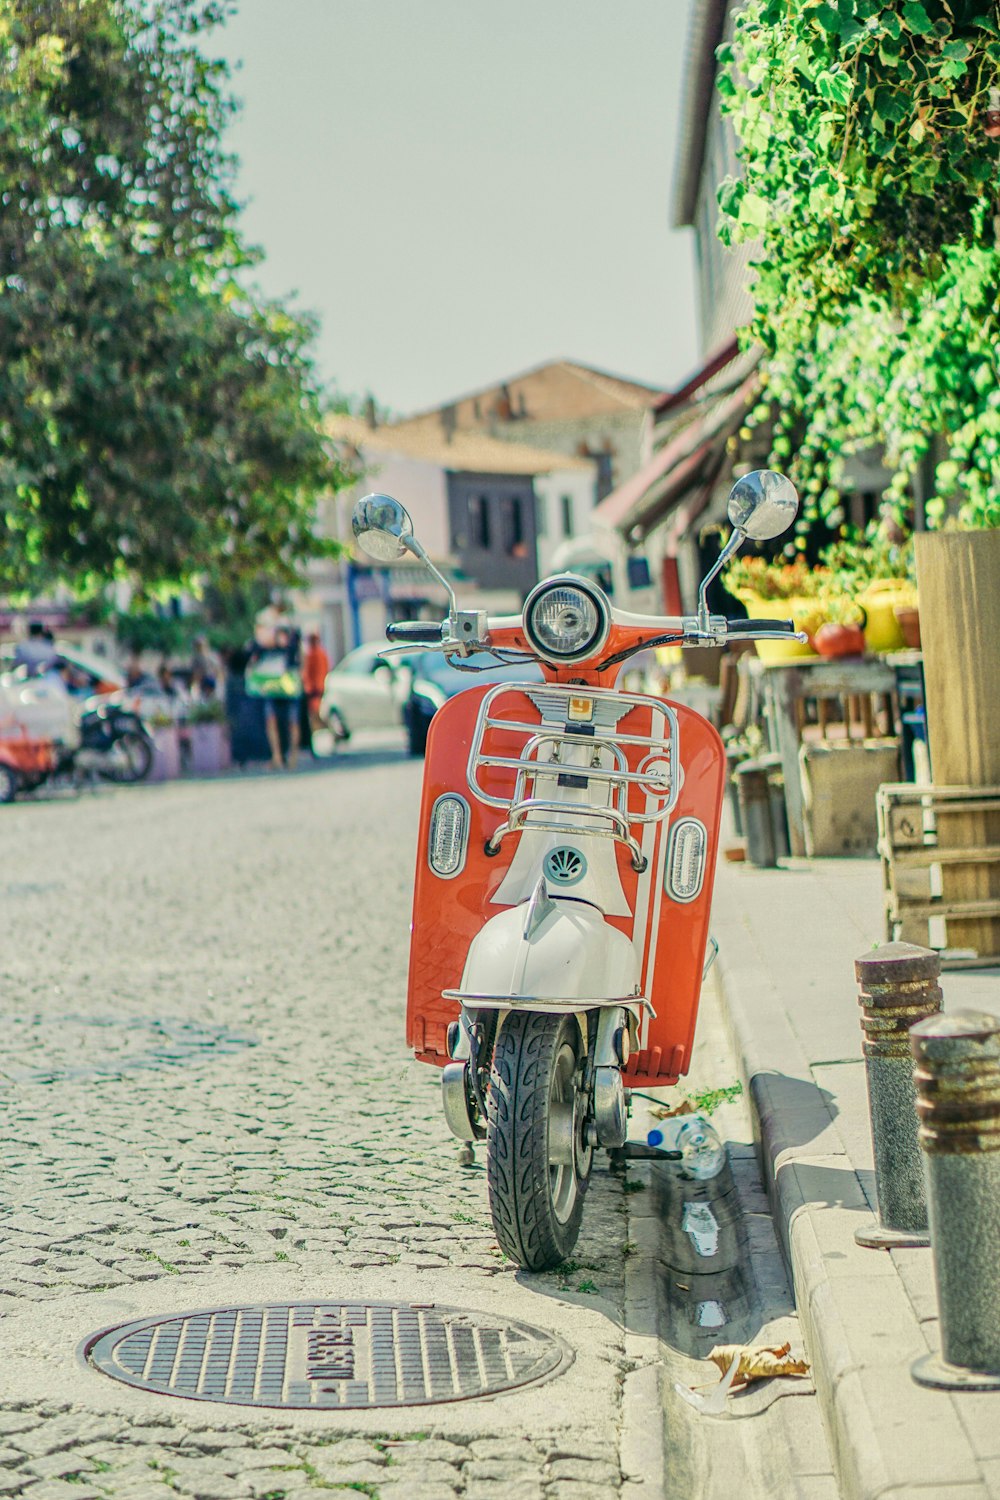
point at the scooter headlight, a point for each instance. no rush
(566, 619)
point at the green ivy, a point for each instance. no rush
(870, 173)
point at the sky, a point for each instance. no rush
(461, 190)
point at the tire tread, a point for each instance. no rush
(517, 1143)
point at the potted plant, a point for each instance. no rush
(779, 590)
(166, 747)
(208, 738)
(843, 631)
(873, 571)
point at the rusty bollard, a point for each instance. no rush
(898, 985)
(956, 1067)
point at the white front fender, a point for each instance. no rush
(565, 953)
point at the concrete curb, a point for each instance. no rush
(887, 1436)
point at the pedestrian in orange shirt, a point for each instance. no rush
(315, 666)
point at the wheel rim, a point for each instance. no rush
(563, 1182)
(128, 757)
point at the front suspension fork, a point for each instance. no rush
(465, 1080)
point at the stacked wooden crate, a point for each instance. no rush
(922, 849)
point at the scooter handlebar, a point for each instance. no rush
(748, 627)
(415, 632)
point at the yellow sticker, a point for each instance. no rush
(581, 709)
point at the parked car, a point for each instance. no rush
(366, 691)
(433, 680)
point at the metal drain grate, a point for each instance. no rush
(333, 1355)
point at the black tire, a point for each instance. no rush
(133, 758)
(536, 1205)
(337, 726)
(9, 783)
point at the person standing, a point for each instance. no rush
(37, 652)
(206, 670)
(315, 666)
(274, 674)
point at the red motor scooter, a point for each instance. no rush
(565, 860)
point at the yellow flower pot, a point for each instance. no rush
(880, 601)
(807, 614)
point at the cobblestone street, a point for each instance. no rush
(208, 1101)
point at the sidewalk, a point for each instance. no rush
(788, 939)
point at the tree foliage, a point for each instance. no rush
(158, 421)
(869, 143)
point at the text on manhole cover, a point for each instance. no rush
(329, 1354)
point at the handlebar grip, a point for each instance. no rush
(420, 632)
(744, 627)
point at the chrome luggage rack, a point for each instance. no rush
(657, 775)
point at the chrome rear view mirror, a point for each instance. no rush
(381, 526)
(763, 504)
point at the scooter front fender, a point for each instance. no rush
(568, 958)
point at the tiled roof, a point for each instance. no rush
(559, 390)
(464, 452)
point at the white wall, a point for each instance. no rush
(417, 484)
(580, 485)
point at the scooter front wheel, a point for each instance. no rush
(537, 1160)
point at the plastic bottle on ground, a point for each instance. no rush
(702, 1152)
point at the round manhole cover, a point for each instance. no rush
(328, 1354)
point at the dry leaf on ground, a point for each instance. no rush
(663, 1112)
(757, 1362)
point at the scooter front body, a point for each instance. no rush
(626, 937)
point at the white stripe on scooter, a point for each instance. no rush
(644, 937)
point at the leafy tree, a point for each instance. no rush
(158, 421)
(869, 136)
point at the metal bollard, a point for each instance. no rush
(957, 1074)
(755, 814)
(898, 985)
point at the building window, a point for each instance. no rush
(566, 502)
(541, 516)
(514, 543)
(479, 522)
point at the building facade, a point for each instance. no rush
(490, 514)
(560, 407)
(672, 508)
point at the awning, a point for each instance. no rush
(683, 393)
(642, 501)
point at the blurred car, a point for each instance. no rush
(92, 675)
(365, 691)
(85, 673)
(433, 680)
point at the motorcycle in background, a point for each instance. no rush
(114, 743)
(565, 861)
(44, 733)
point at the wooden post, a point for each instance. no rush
(958, 581)
(782, 684)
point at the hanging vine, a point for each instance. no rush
(869, 144)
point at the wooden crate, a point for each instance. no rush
(913, 856)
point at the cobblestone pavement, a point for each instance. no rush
(205, 1086)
